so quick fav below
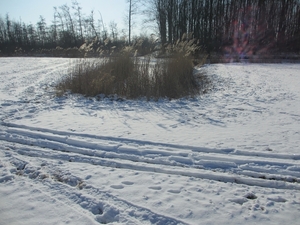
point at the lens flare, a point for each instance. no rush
(249, 39)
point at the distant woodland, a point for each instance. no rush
(246, 27)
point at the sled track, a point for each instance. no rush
(264, 169)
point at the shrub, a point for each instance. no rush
(174, 78)
(131, 77)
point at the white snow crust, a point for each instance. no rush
(230, 156)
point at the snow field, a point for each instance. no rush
(228, 157)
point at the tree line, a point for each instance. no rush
(69, 28)
(241, 26)
(245, 25)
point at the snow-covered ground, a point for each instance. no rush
(228, 157)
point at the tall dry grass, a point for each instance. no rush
(130, 77)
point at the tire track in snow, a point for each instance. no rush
(224, 166)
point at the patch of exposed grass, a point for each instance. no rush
(132, 78)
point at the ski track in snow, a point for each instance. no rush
(233, 153)
(270, 170)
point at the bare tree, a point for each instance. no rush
(132, 10)
(42, 26)
(113, 30)
(69, 23)
(3, 32)
(78, 14)
(91, 21)
(58, 15)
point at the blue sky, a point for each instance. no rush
(29, 11)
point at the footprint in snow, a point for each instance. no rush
(277, 199)
(127, 183)
(240, 201)
(157, 188)
(117, 186)
(88, 177)
(6, 104)
(174, 191)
